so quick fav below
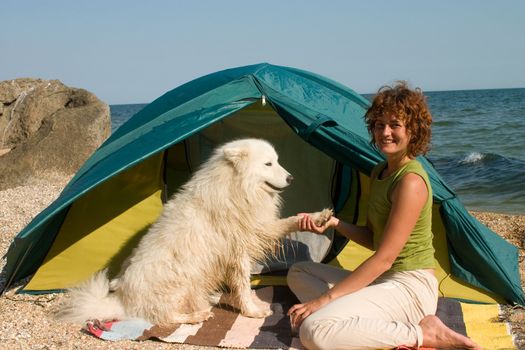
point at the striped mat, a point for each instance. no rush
(229, 329)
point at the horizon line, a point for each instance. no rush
(366, 93)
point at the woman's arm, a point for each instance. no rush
(408, 198)
(359, 234)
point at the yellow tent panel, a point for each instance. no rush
(88, 241)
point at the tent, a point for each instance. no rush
(317, 127)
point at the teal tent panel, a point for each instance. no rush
(186, 119)
(304, 90)
(478, 255)
(24, 250)
(183, 94)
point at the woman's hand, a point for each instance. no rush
(299, 312)
(307, 224)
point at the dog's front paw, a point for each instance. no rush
(257, 313)
(320, 218)
(251, 309)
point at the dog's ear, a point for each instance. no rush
(235, 155)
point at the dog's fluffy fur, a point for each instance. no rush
(208, 235)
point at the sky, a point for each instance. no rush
(133, 51)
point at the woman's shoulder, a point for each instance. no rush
(414, 166)
(413, 173)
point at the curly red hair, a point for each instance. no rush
(409, 106)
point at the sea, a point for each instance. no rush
(478, 145)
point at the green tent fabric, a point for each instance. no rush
(325, 113)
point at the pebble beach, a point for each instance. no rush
(26, 321)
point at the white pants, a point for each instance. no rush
(383, 315)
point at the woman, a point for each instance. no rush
(390, 299)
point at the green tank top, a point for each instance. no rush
(418, 252)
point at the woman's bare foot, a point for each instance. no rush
(437, 335)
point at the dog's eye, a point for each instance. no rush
(268, 164)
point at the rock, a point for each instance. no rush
(47, 128)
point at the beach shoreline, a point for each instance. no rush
(26, 322)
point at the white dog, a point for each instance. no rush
(208, 235)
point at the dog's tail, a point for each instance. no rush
(91, 300)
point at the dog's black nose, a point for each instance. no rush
(289, 179)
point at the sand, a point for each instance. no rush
(26, 322)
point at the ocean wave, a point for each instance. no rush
(470, 109)
(485, 181)
(477, 158)
(477, 169)
(473, 157)
(448, 123)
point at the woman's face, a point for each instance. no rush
(391, 135)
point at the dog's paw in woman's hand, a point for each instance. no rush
(320, 218)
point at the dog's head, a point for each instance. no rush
(256, 162)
